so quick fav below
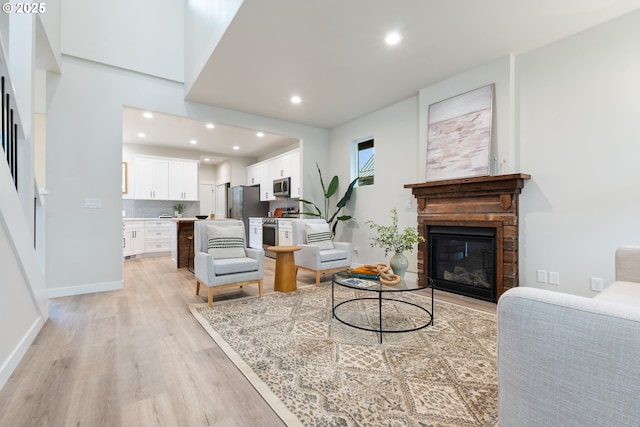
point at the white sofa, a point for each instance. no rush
(566, 360)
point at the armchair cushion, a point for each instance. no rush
(319, 235)
(225, 242)
(235, 265)
(332, 255)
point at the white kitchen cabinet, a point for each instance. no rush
(280, 166)
(152, 178)
(285, 232)
(183, 180)
(253, 174)
(157, 236)
(296, 182)
(255, 233)
(132, 238)
(266, 183)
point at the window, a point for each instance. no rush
(365, 162)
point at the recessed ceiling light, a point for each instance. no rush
(141, 135)
(210, 125)
(206, 159)
(193, 141)
(259, 134)
(393, 38)
(296, 99)
(235, 147)
(147, 115)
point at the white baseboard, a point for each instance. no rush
(18, 353)
(85, 289)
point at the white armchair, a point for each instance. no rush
(313, 257)
(227, 264)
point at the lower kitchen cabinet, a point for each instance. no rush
(132, 238)
(157, 236)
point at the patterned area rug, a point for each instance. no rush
(315, 371)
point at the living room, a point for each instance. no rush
(565, 113)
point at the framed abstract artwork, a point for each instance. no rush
(459, 135)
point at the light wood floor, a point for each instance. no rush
(137, 357)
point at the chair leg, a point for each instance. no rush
(260, 288)
(197, 287)
(318, 278)
(210, 296)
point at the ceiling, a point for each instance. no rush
(332, 54)
(212, 145)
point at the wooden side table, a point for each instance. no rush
(285, 277)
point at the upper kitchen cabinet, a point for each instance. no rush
(281, 166)
(158, 178)
(183, 180)
(296, 182)
(152, 178)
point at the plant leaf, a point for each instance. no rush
(317, 213)
(324, 191)
(344, 217)
(347, 194)
(333, 187)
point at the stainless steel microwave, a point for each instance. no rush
(281, 187)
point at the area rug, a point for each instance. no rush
(315, 371)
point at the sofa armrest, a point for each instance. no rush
(628, 264)
(566, 360)
(308, 256)
(258, 255)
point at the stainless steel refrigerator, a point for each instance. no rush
(244, 202)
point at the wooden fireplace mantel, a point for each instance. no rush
(475, 202)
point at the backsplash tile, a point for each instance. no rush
(155, 208)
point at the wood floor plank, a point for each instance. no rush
(137, 357)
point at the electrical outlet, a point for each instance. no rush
(542, 276)
(554, 278)
(356, 249)
(597, 284)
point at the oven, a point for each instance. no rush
(269, 235)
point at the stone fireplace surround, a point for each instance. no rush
(486, 201)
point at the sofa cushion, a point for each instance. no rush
(620, 292)
(332, 255)
(319, 235)
(234, 265)
(225, 242)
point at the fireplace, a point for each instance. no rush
(462, 260)
(465, 222)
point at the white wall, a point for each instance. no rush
(395, 133)
(84, 155)
(143, 35)
(579, 102)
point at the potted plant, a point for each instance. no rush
(329, 192)
(391, 239)
(180, 207)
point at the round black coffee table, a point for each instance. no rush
(382, 293)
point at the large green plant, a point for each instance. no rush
(328, 193)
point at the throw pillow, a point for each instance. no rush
(319, 235)
(225, 242)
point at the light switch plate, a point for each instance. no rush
(92, 203)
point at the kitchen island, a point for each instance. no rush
(181, 241)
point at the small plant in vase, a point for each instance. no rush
(392, 240)
(180, 207)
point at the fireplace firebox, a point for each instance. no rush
(462, 260)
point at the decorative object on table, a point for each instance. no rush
(180, 207)
(202, 216)
(442, 375)
(391, 239)
(376, 271)
(459, 135)
(328, 192)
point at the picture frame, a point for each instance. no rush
(125, 186)
(459, 135)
